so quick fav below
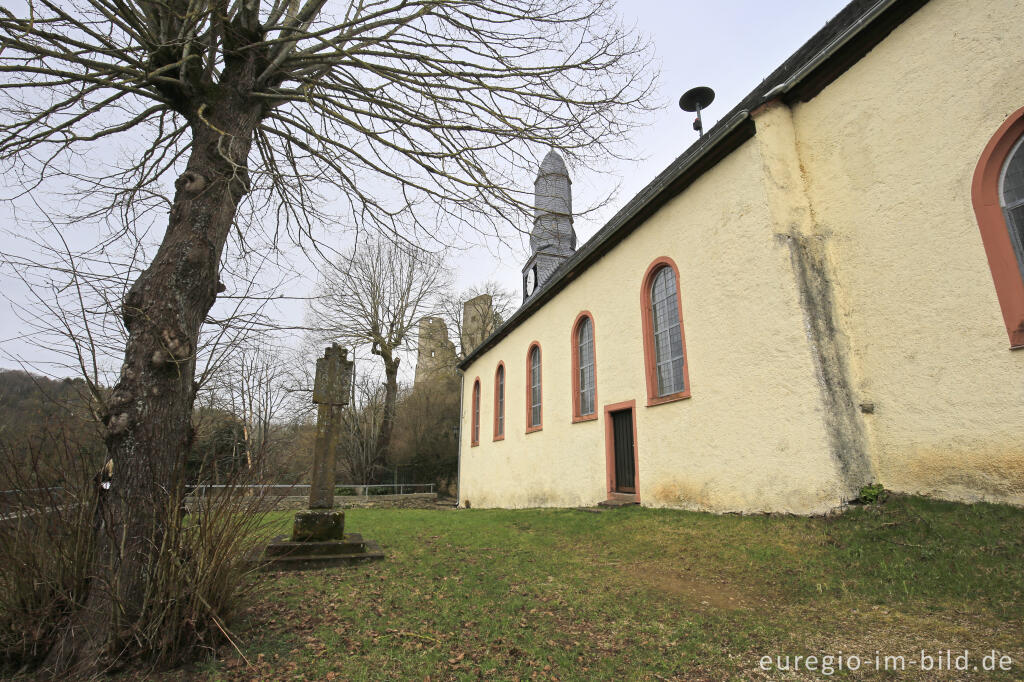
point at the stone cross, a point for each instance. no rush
(331, 388)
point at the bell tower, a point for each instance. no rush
(552, 240)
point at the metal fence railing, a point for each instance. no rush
(387, 489)
(294, 490)
(15, 503)
(31, 498)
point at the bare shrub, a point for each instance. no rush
(197, 580)
(46, 540)
(48, 534)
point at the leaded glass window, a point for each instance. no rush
(668, 334)
(499, 408)
(476, 412)
(535, 386)
(1011, 197)
(585, 358)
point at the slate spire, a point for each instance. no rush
(552, 208)
(552, 239)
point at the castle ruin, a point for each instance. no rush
(436, 355)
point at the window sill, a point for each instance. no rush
(497, 438)
(474, 445)
(585, 418)
(670, 398)
(534, 429)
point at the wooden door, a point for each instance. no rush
(625, 451)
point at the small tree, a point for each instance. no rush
(359, 457)
(218, 452)
(251, 385)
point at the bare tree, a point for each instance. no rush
(73, 304)
(359, 455)
(251, 385)
(423, 113)
(374, 296)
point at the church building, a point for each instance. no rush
(825, 291)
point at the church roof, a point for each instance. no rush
(840, 44)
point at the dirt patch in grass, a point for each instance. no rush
(694, 590)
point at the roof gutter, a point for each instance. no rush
(660, 183)
(834, 46)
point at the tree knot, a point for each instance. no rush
(190, 181)
(118, 423)
(173, 349)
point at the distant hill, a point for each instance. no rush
(47, 429)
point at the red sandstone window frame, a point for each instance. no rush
(995, 233)
(499, 407)
(650, 361)
(574, 341)
(609, 450)
(529, 385)
(474, 415)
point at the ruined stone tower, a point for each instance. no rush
(552, 239)
(478, 321)
(436, 352)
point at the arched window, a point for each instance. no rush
(534, 415)
(664, 342)
(1011, 197)
(998, 196)
(475, 433)
(584, 378)
(499, 402)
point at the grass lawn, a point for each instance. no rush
(645, 594)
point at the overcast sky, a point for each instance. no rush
(729, 45)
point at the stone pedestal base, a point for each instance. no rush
(317, 525)
(318, 541)
(289, 555)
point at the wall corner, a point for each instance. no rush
(794, 226)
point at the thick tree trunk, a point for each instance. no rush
(387, 425)
(149, 420)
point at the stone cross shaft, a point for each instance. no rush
(331, 388)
